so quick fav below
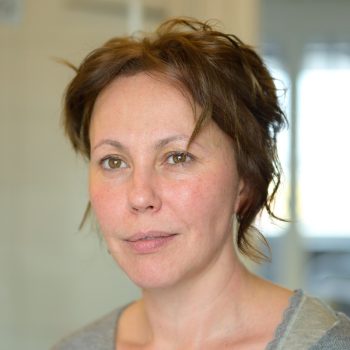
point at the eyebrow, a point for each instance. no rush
(110, 142)
(160, 144)
(163, 142)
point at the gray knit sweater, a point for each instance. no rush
(308, 324)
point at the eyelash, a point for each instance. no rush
(188, 158)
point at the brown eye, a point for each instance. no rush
(112, 163)
(178, 158)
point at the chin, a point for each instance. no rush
(152, 283)
(148, 281)
(151, 274)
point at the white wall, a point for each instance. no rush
(52, 277)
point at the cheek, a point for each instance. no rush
(104, 202)
(206, 200)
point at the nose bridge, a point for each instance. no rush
(143, 189)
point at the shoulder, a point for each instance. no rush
(315, 325)
(336, 337)
(98, 335)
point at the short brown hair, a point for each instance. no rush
(222, 75)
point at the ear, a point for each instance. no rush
(241, 195)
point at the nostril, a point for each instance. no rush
(142, 209)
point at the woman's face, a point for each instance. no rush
(165, 214)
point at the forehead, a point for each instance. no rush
(145, 101)
(144, 89)
(143, 109)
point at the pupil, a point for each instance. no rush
(114, 163)
(179, 158)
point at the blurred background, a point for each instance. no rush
(55, 278)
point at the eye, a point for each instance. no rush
(112, 163)
(179, 158)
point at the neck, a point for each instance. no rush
(200, 309)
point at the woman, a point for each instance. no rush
(180, 132)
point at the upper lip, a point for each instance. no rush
(149, 234)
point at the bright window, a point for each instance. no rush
(324, 145)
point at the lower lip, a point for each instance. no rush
(146, 246)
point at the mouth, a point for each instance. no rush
(149, 242)
(151, 235)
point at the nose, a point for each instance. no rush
(143, 193)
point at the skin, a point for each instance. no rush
(196, 293)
